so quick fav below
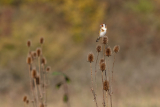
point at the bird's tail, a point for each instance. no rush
(97, 39)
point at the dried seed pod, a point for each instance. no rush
(34, 54)
(105, 40)
(27, 102)
(106, 85)
(39, 52)
(34, 73)
(48, 69)
(99, 48)
(41, 40)
(28, 43)
(116, 48)
(101, 60)
(37, 80)
(90, 57)
(24, 98)
(102, 66)
(41, 105)
(29, 59)
(108, 52)
(43, 61)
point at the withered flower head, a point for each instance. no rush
(99, 48)
(106, 85)
(41, 105)
(27, 102)
(39, 52)
(90, 57)
(43, 61)
(34, 54)
(101, 60)
(24, 98)
(34, 73)
(37, 80)
(105, 40)
(29, 60)
(41, 40)
(28, 43)
(116, 48)
(102, 66)
(108, 52)
(48, 69)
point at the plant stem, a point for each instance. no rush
(103, 90)
(31, 86)
(96, 70)
(91, 75)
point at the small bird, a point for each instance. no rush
(102, 32)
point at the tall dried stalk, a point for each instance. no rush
(103, 66)
(31, 86)
(103, 90)
(39, 81)
(96, 70)
(91, 75)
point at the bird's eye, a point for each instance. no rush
(102, 25)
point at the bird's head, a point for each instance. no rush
(103, 25)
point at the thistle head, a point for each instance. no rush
(90, 57)
(34, 73)
(29, 59)
(24, 98)
(39, 52)
(102, 66)
(41, 40)
(48, 69)
(43, 61)
(106, 85)
(99, 48)
(41, 105)
(105, 40)
(29, 43)
(108, 52)
(37, 80)
(116, 48)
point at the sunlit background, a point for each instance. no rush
(70, 29)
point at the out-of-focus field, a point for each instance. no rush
(70, 29)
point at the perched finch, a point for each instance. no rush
(102, 32)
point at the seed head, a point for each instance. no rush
(29, 60)
(37, 80)
(48, 69)
(116, 48)
(39, 52)
(41, 105)
(41, 40)
(34, 54)
(102, 66)
(34, 73)
(90, 57)
(43, 61)
(24, 98)
(101, 61)
(28, 43)
(106, 85)
(108, 52)
(99, 48)
(27, 102)
(105, 40)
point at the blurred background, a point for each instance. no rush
(70, 29)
